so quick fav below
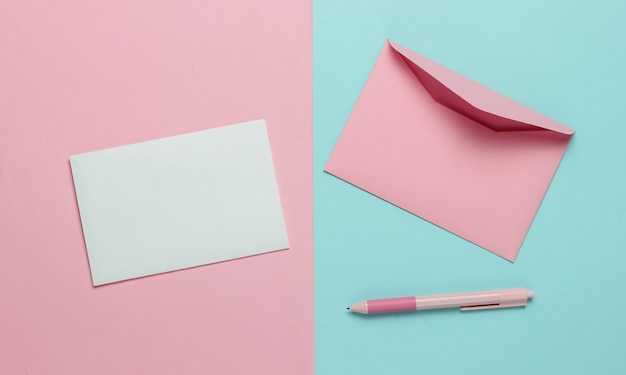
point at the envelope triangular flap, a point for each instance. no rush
(474, 100)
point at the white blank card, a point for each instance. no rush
(179, 202)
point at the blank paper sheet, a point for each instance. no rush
(179, 202)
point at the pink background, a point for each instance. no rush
(82, 75)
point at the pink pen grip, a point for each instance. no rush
(391, 305)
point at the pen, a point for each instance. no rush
(493, 299)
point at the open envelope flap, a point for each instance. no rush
(474, 100)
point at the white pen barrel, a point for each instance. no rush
(457, 300)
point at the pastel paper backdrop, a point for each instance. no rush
(77, 76)
(564, 59)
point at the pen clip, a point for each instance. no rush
(493, 306)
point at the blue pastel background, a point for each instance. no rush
(566, 59)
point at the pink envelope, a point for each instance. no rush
(449, 150)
